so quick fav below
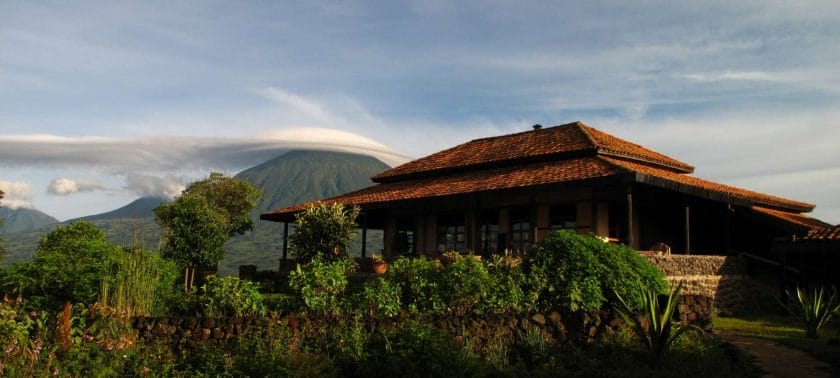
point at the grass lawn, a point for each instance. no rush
(786, 330)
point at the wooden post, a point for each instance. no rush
(630, 238)
(727, 243)
(285, 240)
(594, 213)
(364, 236)
(687, 229)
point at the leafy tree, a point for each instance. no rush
(194, 233)
(198, 223)
(323, 230)
(231, 197)
(69, 265)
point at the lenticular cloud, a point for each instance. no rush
(178, 154)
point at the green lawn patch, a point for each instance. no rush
(786, 330)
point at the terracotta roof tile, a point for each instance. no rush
(826, 233)
(564, 140)
(684, 179)
(796, 219)
(473, 181)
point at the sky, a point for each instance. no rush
(103, 102)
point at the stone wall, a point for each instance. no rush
(723, 279)
(186, 332)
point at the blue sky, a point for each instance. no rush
(107, 95)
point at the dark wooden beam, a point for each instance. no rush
(630, 238)
(285, 239)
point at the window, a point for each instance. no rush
(451, 233)
(404, 238)
(520, 229)
(489, 232)
(562, 217)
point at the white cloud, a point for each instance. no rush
(64, 186)
(16, 194)
(178, 154)
(167, 187)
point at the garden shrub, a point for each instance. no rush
(323, 230)
(580, 272)
(508, 292)
(230, 296)
(467, 284)
(70, 264)
(416, 349)
(321, 284)
(420, 282)
(380, 298)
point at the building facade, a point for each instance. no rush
(507, 192)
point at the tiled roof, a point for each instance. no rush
(800, 220)
(544, 173)
(519, 176)
(569, 140)
(691, 181)
(826, 233)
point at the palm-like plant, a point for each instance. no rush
(661, 331)
(815, 308)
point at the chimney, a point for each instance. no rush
(537, 126)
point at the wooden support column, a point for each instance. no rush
(593, 217)
(364, 235)
(687, 229)
(727, 242)
(285, 239)
(630, 231)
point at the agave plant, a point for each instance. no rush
(661, 331)
(815, 308)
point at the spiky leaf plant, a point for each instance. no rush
(814, 308)
(661, 331)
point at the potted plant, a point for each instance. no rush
(380, 266)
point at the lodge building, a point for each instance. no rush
(506, 192)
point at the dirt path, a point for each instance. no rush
(779, 360)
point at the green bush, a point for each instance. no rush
(70, 264)
(230, 296)
(323, 230)
(421, 284)
(578, 272)
(321, 285)
(466, 285)
(508, 292)
(380, 298)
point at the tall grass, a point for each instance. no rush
(131, 287)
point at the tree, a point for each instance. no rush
(69, 265)
(231, 197)
(194, 233)
(199, 222)
(324, 230)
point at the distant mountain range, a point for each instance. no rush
(294, 177)
(23, 219)
(140, 208)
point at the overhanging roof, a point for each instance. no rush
(548, 173)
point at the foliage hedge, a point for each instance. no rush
(579, 272)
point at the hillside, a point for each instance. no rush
(293, 177)
(23, 219)
(140, 208)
